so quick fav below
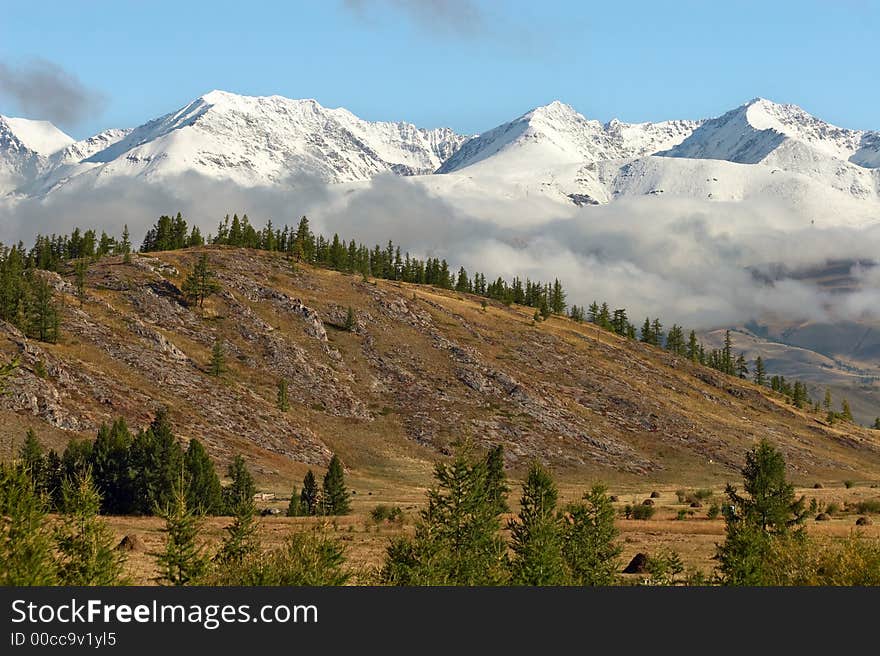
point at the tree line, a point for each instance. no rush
(138, 474)
(722, 359)
(458, 538)
(388, 262)
(26, 299)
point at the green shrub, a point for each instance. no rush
(305, 559)
(640, 511)
(714, 511)
(382, 513)
(664, 567)
(868, 506)
(848, 484)
(851, 561)
(682, 513)
(832, 508)
(681, 495)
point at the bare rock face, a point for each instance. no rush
(38, 386)
(161, 342)
(422, 368)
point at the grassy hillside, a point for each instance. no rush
(422, 368)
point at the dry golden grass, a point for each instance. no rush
(597, 407)
(693, 538)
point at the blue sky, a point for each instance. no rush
(468, 64)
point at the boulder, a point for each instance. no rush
(638, 564)
(130, 542)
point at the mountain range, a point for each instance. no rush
(760, 150)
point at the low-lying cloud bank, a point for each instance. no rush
(702, 264)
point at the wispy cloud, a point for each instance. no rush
(691, 262)
(460, 17)
(41, 89)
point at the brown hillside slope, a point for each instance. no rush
(423, 368)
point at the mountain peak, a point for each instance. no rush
(219, 97)
(42, 137)
(555, 111)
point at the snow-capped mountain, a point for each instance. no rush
(261, 141)
(80, 150)
(25, 147)
(551, 154)
(752, 132)
(761, 150)
(787, 138)
(557, 134)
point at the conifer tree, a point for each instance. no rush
(657, 338)
(826, 403)
(589, 540)
(335, 498)
(200, 283)
(496, 481)
(195, 238)
(218, 359)
(309, 495)
(183, 560)
(646, 335)
(241, 489)
(26, 546)
(693, 348)
(675, 340)
(294, 508)
(350, 320)
(283, 403)
(760, 376)
(456, 540)
(157, 462)
(727, 363)
(876, 425)
(241, 539)
(769, 510)
(557, 298)
(85, 543)
(741, 368)
(112, 468)
(30, 456)
(80, 270)
(536, 534)
(204, 492)
(42, 316)
(124, 246)
(845, 412)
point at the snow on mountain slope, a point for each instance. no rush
(24, 147)
(718, 180)
(550, 157)
(40, 136)
(80, 150)
(868, 154)
(639, 139)
(751, 132)
(787, 138)
(256, 141)
(556, 134)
